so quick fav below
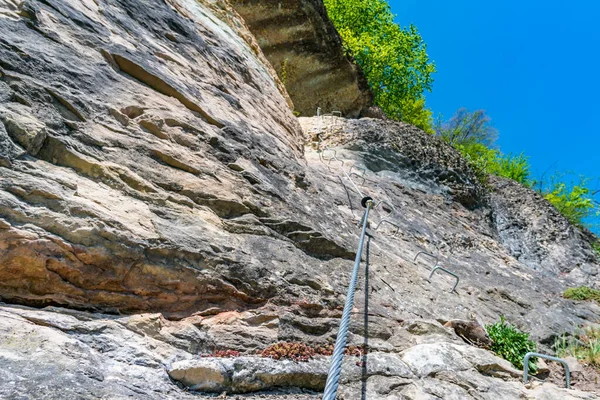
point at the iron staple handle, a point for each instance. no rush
(352, 182)
(332, 158)
(449, 273)
(389, 205)
(362, 176)
(547, 357)
(389, 222)
(437, 260)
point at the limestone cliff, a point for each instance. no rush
(159, 201)
(303, 46)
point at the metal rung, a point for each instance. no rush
(352, 182)
(361, 175)
(390, 223)
(331, 158)
(391, 207)
(437, 260)
(336, 159)
(560, 360)
(449, 273)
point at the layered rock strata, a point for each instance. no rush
(303, 46)
(149, 163)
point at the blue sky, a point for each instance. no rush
(534, 66)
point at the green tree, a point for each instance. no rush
(394, 59)
(574, 202)
(472, 134)
(467, 127)
(485, 161)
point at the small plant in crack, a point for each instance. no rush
(289, 350)
(223, 354)
(301, 352)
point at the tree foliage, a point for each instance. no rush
(394, 60)
(467, 127)
(574, 202)
(472, 134)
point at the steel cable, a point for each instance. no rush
(333, 377)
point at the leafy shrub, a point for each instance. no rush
(582, 293)
(585, 347)
(472, 134)
(574, 202)
(487, 161)
(394, 59)
(511, 344)
(477, 156)
(511, 167)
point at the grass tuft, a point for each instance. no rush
(585, 346)
(582, 293)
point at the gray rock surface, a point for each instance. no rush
(57, 354)
(251, 374)
(537, 235)
(153, 176)
(303, 46)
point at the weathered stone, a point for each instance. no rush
(250, 374)
(173, 186)
(303, 46)
(25, 130)
(471, 332)
(547, 391)
(428, 359)
(574, 366)
(537, 235)
(420, 327)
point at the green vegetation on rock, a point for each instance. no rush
(574, 201)
(582, 293)
(394, 59)
(596, 247)
(472, 134)
(399, 72)
(487, 161)
(585, 346)
(511, 344)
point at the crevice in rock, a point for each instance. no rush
(175, 163)
(65, 103)
(154, 82)
(308, 240)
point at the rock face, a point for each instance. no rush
(153, 177)
(303, 46)
(537, 235)
(73, 354)
(133, 111)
